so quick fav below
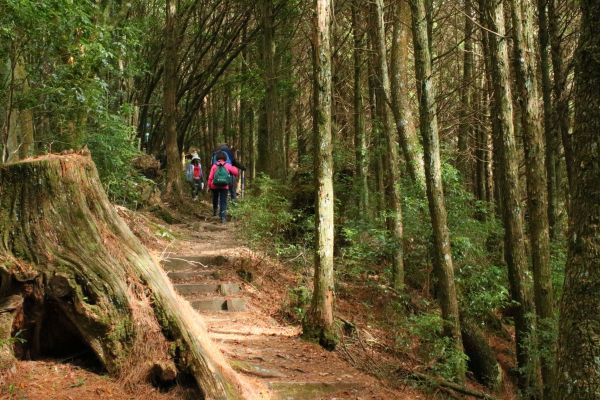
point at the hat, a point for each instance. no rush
(195, 157)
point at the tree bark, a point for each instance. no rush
(270, 154)
(399, 78)
(466, 98)
(75, 262)
(360, 136)
(318, 323)
(549, 125)
(173, 187)
(512, 214)
(561, 102)
(392, 160)
(433, 174)
(578, 374)
(537, 196)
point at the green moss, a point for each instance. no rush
(315, 333)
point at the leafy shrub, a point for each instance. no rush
(298, 301)
(434, 349)
(113, 148)
(265, 213)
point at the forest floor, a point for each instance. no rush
(261, 341)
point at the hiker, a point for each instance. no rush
(194, 176)
(230, 159)
(219, 181)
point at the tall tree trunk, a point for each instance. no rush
(392, 160)
(405, 125)
(561, 102)
(512, 213)
(578, 374)
(537, 199)
(271, 153)
(433, 174)
(466, 97)
(360, 136)
(318, 323)
(549, 125)
(174, 185)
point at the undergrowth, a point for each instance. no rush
(280, 221)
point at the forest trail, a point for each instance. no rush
(218, 275)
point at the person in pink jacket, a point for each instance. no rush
(219, 188)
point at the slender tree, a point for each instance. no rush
(507, 168)
(578, 374)
(392, 161)
(360, 136)
(399, 80)
(466, 95)
(549, 125)
(537, 196)
(433, 174)
(173, 187)
(318, 323)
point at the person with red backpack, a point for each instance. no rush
(195, 177)
(219, 179)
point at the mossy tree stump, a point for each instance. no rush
(86, 281)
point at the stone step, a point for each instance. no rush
(312, 390)
(194, 275)
(224, 289)
(235, 304)
(185, 263)
(254, 369)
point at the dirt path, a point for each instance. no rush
(207, 263)
(240, 296)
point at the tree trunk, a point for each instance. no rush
(466, 99)
(506, 151)
(360, 136)
(561, 101)
(537, 199)
(578, 375)
(87, 278)
(173, 187)
(270, 159)
(549, 126)
(405, 124)
(392, 161)
(318, 323)
(433, 174)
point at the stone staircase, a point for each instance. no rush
(256, 345)
(197, 279)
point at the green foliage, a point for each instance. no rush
(298, 301)
(265, 213)
(436, 351)
(78, 58)
(364, 244)
(16, 338)
(112, 145)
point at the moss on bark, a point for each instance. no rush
(64, 249)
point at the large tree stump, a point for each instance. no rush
(87, 282)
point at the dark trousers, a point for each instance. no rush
(220, 202)
(196, 187)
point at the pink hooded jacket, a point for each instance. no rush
(232, 170)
